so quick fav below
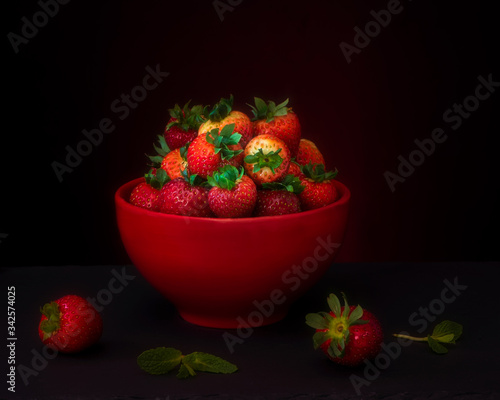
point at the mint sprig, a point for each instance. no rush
(445, 332)
(162, 360)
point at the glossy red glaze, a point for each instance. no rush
(228, 273)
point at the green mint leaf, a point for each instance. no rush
(185, 371)
(446, 328)
(436, 346)
(208, 363)
(316, 321)
(160, 360)
(450, 338)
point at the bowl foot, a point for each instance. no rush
(252, 320)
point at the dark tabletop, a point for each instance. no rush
(276, 361)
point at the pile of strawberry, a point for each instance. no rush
(217, 162)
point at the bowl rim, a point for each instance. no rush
(122, 193)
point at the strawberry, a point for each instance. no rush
(233, 194)
(344, 337)
(294, 169)
(69, 324)
(172, 161)
(175, 162)
(183, 125)
(222, 114)
(279, 198)
(267, 159)
(278, 120)
(145, 194)
(187, 196)
(207, 152)
(319, 189)
(308, 153)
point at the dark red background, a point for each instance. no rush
(362, 115)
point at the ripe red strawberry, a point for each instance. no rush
(183, 125)
(278, 120)
(207, 153)
(348, 335)
(309, 153)
(145, 194)
(267, 159)
(69, 324)
(294, 169)
(319, 189)
(233, 194)
(279, 198)
(186, 196)
(175, 162)
(222, 114)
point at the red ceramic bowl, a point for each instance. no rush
(231, 273)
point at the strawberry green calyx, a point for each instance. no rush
(221, 140)
(316, 172)
(186, 118)
(53, 321)
(335, 327)
(194, 179)
(220, 110)
(156, 179)
(261, 160)
(290, 183)
(161, 151)
(226, 177)
(269, 110)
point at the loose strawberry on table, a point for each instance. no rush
(279, 198)
(233, 194)
(69, 324)
(309, 153)
(186, 196)
(267, 159)
(183, 125)
(210, 151)
(222, 114)
(348, 335)
(145, 194)
(319, 189)
(277, 120)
